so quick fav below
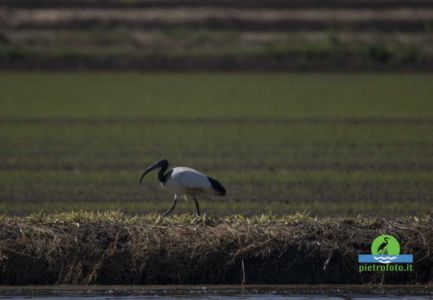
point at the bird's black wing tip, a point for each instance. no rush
(217, 187)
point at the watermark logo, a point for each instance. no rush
(385, 256)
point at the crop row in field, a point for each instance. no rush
(119, 4)
(411, 19)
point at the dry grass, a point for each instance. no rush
(113, 248)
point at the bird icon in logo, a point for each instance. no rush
(383, 247)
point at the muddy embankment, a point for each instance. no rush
(111, 248)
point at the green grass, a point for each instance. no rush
(331, 144)
(177, 95)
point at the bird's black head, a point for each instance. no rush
(163, 164)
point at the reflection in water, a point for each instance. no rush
(218, 297)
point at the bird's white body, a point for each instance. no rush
(185, 181)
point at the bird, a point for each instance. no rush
(382, 248)
(185, 182)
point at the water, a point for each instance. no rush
(216, 297)
(218, 292)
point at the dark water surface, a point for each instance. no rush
(223, 292)
(216, 297)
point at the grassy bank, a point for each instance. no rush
(112, 248)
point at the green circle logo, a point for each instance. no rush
(385, 244)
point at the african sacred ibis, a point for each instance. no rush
(184, 182)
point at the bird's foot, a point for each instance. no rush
(199, 218)
(195, 219)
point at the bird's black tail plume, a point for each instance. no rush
(217, 187)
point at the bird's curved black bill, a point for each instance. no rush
(153, 167)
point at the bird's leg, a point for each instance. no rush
(172, 207)
(196, 206)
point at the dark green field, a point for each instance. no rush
(331, 144)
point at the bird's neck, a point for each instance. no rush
(161, 176)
